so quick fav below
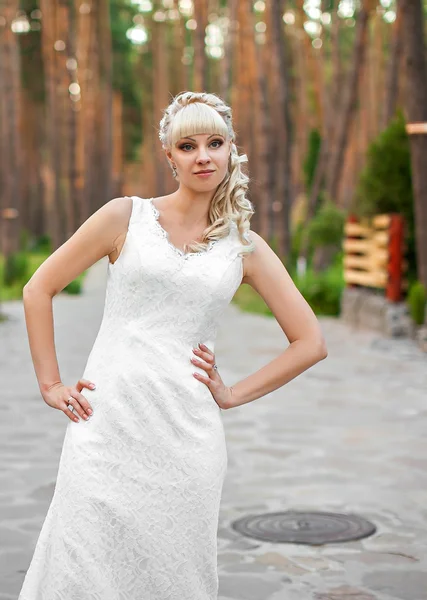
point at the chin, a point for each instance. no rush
(204, 186)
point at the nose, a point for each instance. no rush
(203, 156)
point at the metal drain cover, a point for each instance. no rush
(313, 528)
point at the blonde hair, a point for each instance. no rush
(190, 113)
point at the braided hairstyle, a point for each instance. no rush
(190, 113)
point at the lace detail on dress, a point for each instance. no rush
(165, 235)
(136, 504)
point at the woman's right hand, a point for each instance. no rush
(60, 396)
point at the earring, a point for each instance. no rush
(174, 173)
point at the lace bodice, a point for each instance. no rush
(153, 284)
(165, 234)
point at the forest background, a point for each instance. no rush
(322, 92)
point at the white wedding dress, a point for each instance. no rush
(134, 514)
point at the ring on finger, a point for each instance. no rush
(70, 406)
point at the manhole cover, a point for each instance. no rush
(313, 528)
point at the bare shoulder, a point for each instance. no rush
(113, 215)
(264, 267)
(100, 235)
(113, 219)
(120, 211)
(253, 260)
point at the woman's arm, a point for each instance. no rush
(265, 272)
(96, 238)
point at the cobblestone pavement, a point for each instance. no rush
(348, 435)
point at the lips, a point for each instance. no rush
(207, 171)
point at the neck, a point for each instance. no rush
(190, 206)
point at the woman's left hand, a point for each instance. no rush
(205, 359)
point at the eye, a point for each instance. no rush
(219, 141)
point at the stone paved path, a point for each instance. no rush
(349, 435)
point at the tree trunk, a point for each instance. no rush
(375, 73)
(330, 97)
(105, 103)
(117, 165)
(63, 133)
(348, 107)
(262, 123)
(50, 166)
(91, 108)
(392, 77)
(179, 71)
(160, 101)
(200, 59)
(229, 50)
(415, 105)
(74, 109)
(83, 107)
(283, 166)
(302, 50)
(246, 85)
(11, 168)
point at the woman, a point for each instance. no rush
(135, 510)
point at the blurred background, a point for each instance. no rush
(324, 94)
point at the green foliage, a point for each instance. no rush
(327, 226)
(385, 184)
(122, 13)
(297, 237)
(24, 238)
(18, 270)
(247, 299)
(15, 268)
(417, 301)
(324, 232)
(323, 290)
(274, 243)
(43, 244)
(74, 287)
(309, 167)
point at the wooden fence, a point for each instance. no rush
(374, 254)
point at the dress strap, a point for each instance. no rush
(137, 209)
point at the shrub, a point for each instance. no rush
(43, 244)
(24, 239)
(310, 163)
(324, 236)
(296, 242)
(385, 184)
(16, 268)
(323, 290)
(16, 272)
(74, 287)
(417, 300)
(327, 227)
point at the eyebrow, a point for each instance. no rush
(193, 140)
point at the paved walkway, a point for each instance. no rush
(349, 435)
